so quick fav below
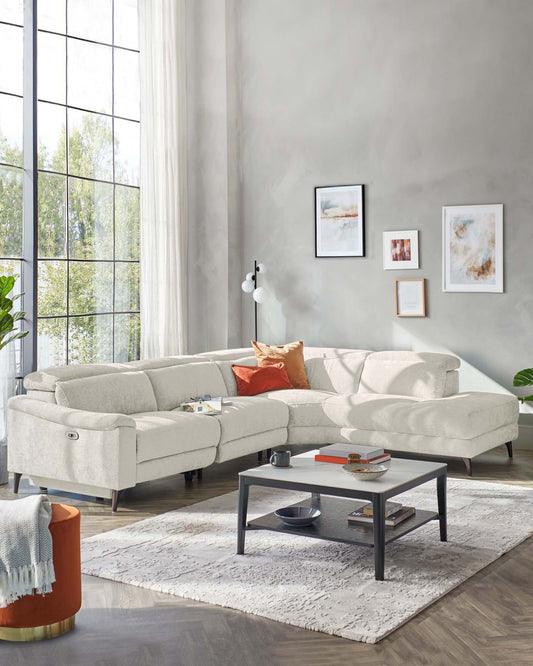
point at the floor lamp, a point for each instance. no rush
(250, 286)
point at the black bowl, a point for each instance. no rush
(298, 516)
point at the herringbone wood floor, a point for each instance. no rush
(487, 620)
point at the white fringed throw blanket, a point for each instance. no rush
(26, 565)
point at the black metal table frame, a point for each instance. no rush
(378, 504)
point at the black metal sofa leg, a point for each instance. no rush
(509, 446)
(114, 500)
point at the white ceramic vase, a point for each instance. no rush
(7, 390)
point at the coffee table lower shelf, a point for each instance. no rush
(333, 525)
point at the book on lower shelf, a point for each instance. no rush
(390, 509)
(360, 517)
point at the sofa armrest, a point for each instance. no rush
(101, 455)
(71, 418)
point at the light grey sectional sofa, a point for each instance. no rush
(97, 429)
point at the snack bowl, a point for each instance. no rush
(366, 472)
(298, 516)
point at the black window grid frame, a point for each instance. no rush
(30, 259)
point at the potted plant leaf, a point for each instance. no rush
(524, 378)
(8, 333)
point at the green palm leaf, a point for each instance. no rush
(8, 332)
(524, 378)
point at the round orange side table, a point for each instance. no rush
(35, 617)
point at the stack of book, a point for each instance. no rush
(353, 453)
(395, 514)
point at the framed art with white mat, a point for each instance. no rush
(472, 248)
(410, 297)
(400, 249)
(339, 221)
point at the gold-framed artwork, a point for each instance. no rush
(410, 297)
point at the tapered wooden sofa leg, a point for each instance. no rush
(189, 476)
(114, 500)
(16, 482)
(509, 446)
(199, 474)
(468, 465)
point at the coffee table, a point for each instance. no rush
(333, 491)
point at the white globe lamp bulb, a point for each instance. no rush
(247, 286)
(262, 268)
(260, 295)
(249, 276)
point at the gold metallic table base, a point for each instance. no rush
(37, 633)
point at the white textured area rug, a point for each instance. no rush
(308, 583)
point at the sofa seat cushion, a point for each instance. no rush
(306, 407)
(161, 434)
(461, 416)
(250, 415)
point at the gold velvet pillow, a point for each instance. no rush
(291, 354)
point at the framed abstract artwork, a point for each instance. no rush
(410, 297)
(400, 249)
(472, 251)
(339, 221)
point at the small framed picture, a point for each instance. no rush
(339, 221)
(410, 297)
(472, 248)
(400, 249)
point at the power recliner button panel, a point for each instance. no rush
(72, 435)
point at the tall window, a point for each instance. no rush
(87, 213)
(88, 202)
(11, 172)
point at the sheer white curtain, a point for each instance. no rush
(163, 178)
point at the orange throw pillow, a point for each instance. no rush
(252, 379)
(292, 354)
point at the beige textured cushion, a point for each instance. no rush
(306, 407)
(46, 380)
(337, 374)
(461, 416)
(290, 354)
(172, 386)
(250, 415)
(417, 374)
(123, 393)
(161, 434)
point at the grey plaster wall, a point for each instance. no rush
(213, 192)
(425, 102)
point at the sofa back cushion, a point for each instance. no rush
(121, 393)
(228, 375)
(336, 374)
(417, 374)
(172, 386)
(46, 380)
